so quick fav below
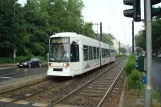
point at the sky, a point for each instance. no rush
(110, 13)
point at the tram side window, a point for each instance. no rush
(112, 52)
(108, 53)
(98, 53)
(94, 52)
(85, 52)
(74, 52)
(90, 53)
(103, 53)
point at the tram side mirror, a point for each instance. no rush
(74, 44)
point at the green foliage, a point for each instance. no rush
(130, 65)
(123, 50)
(140, 38)
(5, 60)
(107, 38)
(20, 58)
(134, 80)
(117, 55)
(38, 49)
(155, 95)
(28, 27)
(132, 91)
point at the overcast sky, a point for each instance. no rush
(110, 13)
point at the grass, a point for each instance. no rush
(134, 81)
(130, 65)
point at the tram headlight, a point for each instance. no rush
(49, 64)
(66, 64)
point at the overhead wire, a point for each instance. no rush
(113, 11)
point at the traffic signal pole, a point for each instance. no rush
(132, 36)
(148, 88)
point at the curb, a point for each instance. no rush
(122, 95)
(17, 85)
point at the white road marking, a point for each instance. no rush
(22, 102)
(40, 104)
(6, 68)
(6, 100)
(7, 74)
(5, 77)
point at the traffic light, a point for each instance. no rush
(134, 13)
(155, 11)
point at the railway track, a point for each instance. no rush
(58, 93)
(33, 90)
(94, 91)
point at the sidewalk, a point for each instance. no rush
(134, 98)
(131, 98)
(8, 65)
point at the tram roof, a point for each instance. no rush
(73, 34)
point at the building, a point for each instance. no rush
(116, 45)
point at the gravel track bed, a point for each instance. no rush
(31, 90)
(113, 98)
(92, 94)
(58, 92)
(63, 90)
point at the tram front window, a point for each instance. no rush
(59, 51)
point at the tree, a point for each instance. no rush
(12, 26)
(29, 27)
(122, 50)
(107, 38)
(140, 38)
(88, 31)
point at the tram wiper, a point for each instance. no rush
(61, 56)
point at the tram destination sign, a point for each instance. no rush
(59, 40)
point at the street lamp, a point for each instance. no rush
(97, 29)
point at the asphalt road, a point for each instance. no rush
(156, 74)
(12, 73)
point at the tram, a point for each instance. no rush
(73, 54)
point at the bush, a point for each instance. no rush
(130, 65)
(40, 57)
(118, 55)
(20, 58)
(5, 60)
(134, 80)
(155, 95)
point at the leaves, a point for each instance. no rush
(29, 27)
(140, 38)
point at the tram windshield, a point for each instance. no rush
(59, 50)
